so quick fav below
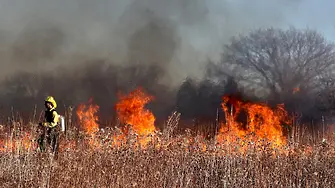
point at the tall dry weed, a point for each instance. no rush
(167, 161)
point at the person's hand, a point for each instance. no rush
(42, 124)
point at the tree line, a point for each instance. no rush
(293, 66)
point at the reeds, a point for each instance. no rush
(166, 161)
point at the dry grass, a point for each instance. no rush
(166, 162)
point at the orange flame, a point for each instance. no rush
(131, 110)
(67, 145)
(22, 142)
(88, 119)
(263, 123)
(296, 90)
(260, 123)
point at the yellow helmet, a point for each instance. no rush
(51, 100)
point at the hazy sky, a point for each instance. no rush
(315, 14)
(91, 27)
(242, 15)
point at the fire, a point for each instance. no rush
(21, 142)
(87, 115)
(131, 110)
(67, 145)
(259, 123)
(88, 119)
(263, 123)
(296, 90)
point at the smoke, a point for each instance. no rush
(36, 45)
(181, 34)
(80, 49)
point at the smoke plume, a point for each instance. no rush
(79, 49)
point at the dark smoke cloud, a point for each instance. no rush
(98, 79)
(77, 50)
(36, 44)
(155, 43)
(153, 30)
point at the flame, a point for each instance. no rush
(260, 123)
(296, 90)
(21, 142)
(263, 123)
(88, 119)
(131, 110)
(67, 145)
(118, 140)
(87, 115)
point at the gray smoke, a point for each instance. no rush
(181, 34)
(81, 48)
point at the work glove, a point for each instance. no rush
(43, 124)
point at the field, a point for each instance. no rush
(139, 155)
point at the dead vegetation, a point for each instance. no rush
(166, 161)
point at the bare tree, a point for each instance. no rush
(281, 62)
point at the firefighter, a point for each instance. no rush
(49, 126)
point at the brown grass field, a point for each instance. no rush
(165, 161)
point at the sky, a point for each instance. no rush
(103, 28)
